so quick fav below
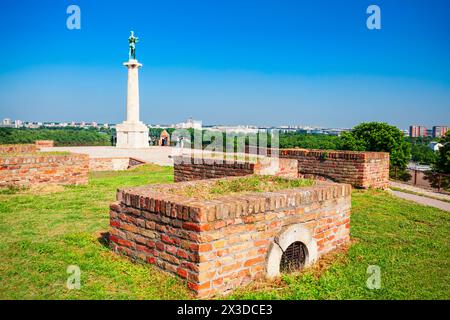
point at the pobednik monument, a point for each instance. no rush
(132, 133)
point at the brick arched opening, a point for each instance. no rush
(294, 236)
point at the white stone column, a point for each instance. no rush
(132, 133)
(133, 91)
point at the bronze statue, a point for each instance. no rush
(132, 40)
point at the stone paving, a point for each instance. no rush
(422, 200)
(425, 192)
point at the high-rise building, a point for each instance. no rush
(417, 131)
(440, 131)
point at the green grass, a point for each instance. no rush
(42, 234)
(240, 185)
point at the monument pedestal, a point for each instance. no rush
(132, 133)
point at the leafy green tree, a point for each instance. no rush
(442, 163)
(377, 136)
(422, 154)
(439, 175)
(308, 141)
(61, 136)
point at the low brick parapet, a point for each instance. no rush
(190, 168)
(44, 144)
(17, 148)
(41, 168)
(360, 169)
(218, 245)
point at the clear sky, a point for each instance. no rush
(228, 62)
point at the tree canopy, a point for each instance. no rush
(378, 136)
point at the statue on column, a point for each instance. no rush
(132, 40)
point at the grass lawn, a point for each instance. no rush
(253, 183)
(44, 231)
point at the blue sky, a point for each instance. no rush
(230, 62)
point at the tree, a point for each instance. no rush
(381, 137)
(422, 154)
(442, 163)
(439, 175)
(61, 136)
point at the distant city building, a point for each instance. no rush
(417, 131)
(189, 124)
(6, 122)
(236, 129)
(440, 131)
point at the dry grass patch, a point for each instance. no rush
(248, 184)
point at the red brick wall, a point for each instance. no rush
(41, 168)
(17, 148)
(360, 169)
(44, 143)
(185, 169)
(218, 245)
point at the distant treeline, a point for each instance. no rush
(364, 137)
(61, 136)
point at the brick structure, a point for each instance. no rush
(188, 169)
(360, 169)
(41, 168)
(44, 144)
(17, 148)
(164, 139)
(218, 245)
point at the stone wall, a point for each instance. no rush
(187, 169)
(360, 169)
(17, 148)
(41, 168)
(219, 245)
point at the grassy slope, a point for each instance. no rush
(41, 234)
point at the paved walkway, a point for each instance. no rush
(422, 200)
(422, 191)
